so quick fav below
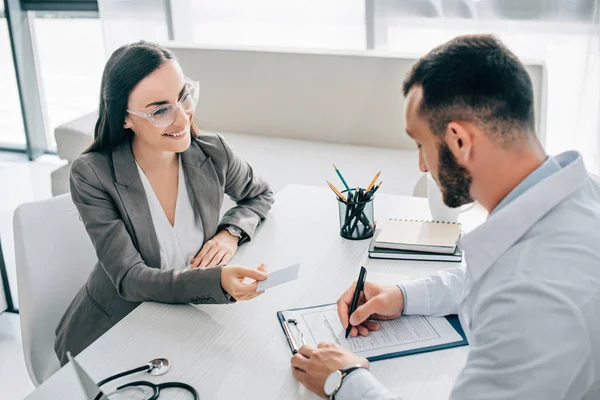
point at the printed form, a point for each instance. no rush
(322, 324)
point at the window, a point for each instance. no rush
(50, 69)
(324, 24)
(12, 133)
(562, 34)
(70, 55)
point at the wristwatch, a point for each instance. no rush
(333, 383)
(235, 231)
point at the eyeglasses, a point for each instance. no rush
(163, 116)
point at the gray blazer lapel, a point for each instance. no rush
(132, 193)
(204, 183)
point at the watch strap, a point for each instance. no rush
(345, 372)
(234, 230)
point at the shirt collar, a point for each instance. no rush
(548, 167)
(485, 244)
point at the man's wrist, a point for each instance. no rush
(335, 380)
(403, 301)
(359, 384)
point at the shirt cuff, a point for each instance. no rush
(362, 385)
(418, 293)
(404, 298)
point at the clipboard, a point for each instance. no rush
(295, 341)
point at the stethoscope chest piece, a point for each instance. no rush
(159, 366)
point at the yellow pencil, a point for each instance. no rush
(373, 181)
(341, 196)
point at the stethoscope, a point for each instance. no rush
(156, 367)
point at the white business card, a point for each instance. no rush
(279, 277)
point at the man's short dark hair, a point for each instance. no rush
(477, 79)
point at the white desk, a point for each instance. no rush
(239, 351)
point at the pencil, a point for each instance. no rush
(341, 178)
(373, 181)
(341, 196)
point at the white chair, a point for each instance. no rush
(420, 189)
(54, 257)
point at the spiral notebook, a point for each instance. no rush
(375, 252)
(415, 235)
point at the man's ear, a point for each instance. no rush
(459, 138)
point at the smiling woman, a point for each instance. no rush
(149, 191)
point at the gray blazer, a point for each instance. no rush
(112, 203)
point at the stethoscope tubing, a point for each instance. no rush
(155, 388)
(122, 374)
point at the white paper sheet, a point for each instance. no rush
(322, 324)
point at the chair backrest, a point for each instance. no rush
(349, 97)
(420, 189)
(54, 257)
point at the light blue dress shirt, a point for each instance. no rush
(548, 167)
(528, 298)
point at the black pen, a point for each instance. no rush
(360, 284)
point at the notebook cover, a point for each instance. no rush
(392, 254)
(413, 234)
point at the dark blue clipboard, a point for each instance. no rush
(453, 319)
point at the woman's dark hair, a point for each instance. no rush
(125, 68)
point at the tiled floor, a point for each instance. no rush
(14, 380)
(20, 181)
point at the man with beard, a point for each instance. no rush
(529, 294)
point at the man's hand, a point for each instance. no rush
(376, 301)
(217, 251)
(313, 366)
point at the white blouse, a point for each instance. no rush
(179, 242)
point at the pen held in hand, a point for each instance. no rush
(360, 284)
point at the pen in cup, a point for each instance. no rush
(337, 192)
(373, 182)
(337, 171)
(355, 207)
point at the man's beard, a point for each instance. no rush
(454, 179)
